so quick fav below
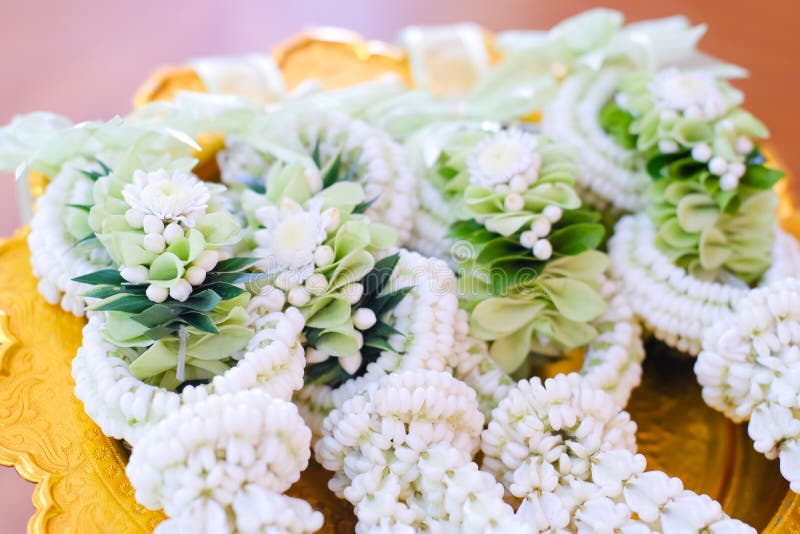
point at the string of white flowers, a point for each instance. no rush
(54, 257)
(401, 453)
(427, 319)
(125, 407)
(748, 370)
(604, 168)
(221, 465)
(431, 224)
(676, 306)
(568, 452)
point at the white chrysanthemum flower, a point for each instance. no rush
(689, 91)
(290, 237)
(125, 407)
(179, 197)
(217, 449)
(567, 424)
(502, 156)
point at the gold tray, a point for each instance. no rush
(80, 473)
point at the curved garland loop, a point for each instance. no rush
(401, 452)
(125, 407)
(59, 251)
(677, 307)
(568, 452)
(222, 464)
(748, 370)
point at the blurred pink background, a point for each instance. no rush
(85, 58)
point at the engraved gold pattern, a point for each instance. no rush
(80, 474)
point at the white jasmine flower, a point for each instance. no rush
(179, 197)
(290, 237)
(500, 157)
(701, 152)
(686, 91)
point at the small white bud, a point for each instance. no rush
(528, 238)
(725, 125)
(181, 290)
(264, 213)
(195, 275)
(207, 260)
(316, 356)
(744, 145)
(701, 152)
(718, 166)
(514, 202)
(541, 226)
(553, 213)
(502, 189)
(172, 233)
(154, 243)
(334, 219)
(135, 274)
(314, 179)
(283, 282)
(728, 182)
(518, 184)
(668, 115)
(323, 255)
(353, 292)
(134, 218)
(359, 339)
(270, 298)
(316, 284)
(298, 296)
(152, 224)
(542, 249)
(351, 363)
(667, 146)
(737, 169)
(364, 319)
(157, 293)
(693, 112)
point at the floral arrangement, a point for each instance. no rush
(378, 274)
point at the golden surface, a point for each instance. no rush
(82, 485)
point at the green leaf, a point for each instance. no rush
(157, 314)
(448, 173)
(330, 173)
(235, 278)
(103, 292)
(83, 207)
(203, 301)
(378, 343)
(103, 276)
(386, 303)
(315, 154)
(225, 291)
(577, 238)
(234, 265)
(85, 241)
(364, 206)
(761, 177)
(125, 303)
(200, 321)
(658, 163)
(383, 330)
(376, 279)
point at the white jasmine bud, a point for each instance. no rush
(701, 152)
(737, 169)
(693, 112)
(316, 284)
(728, 182)
(744, 145)
(154, 243)
(718, 166)
(335, 219)
(353, 292)
(542, 249)
(172, 233)
(316, 356)
(207, 260)
(314, 179)
(514, 202)
(351, 363)
(152, 224)
(134, 218)
(528, 238)
(323, 255)
(298, 296)
(135, 274)
(364, 319)
(518, 184)
(181, 290)
(553, 213)
(667, 146)
(541, 226)
(157, 293)
(195, 275)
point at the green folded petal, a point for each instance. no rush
(166, 270)
(697, 212)
(574, 299)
